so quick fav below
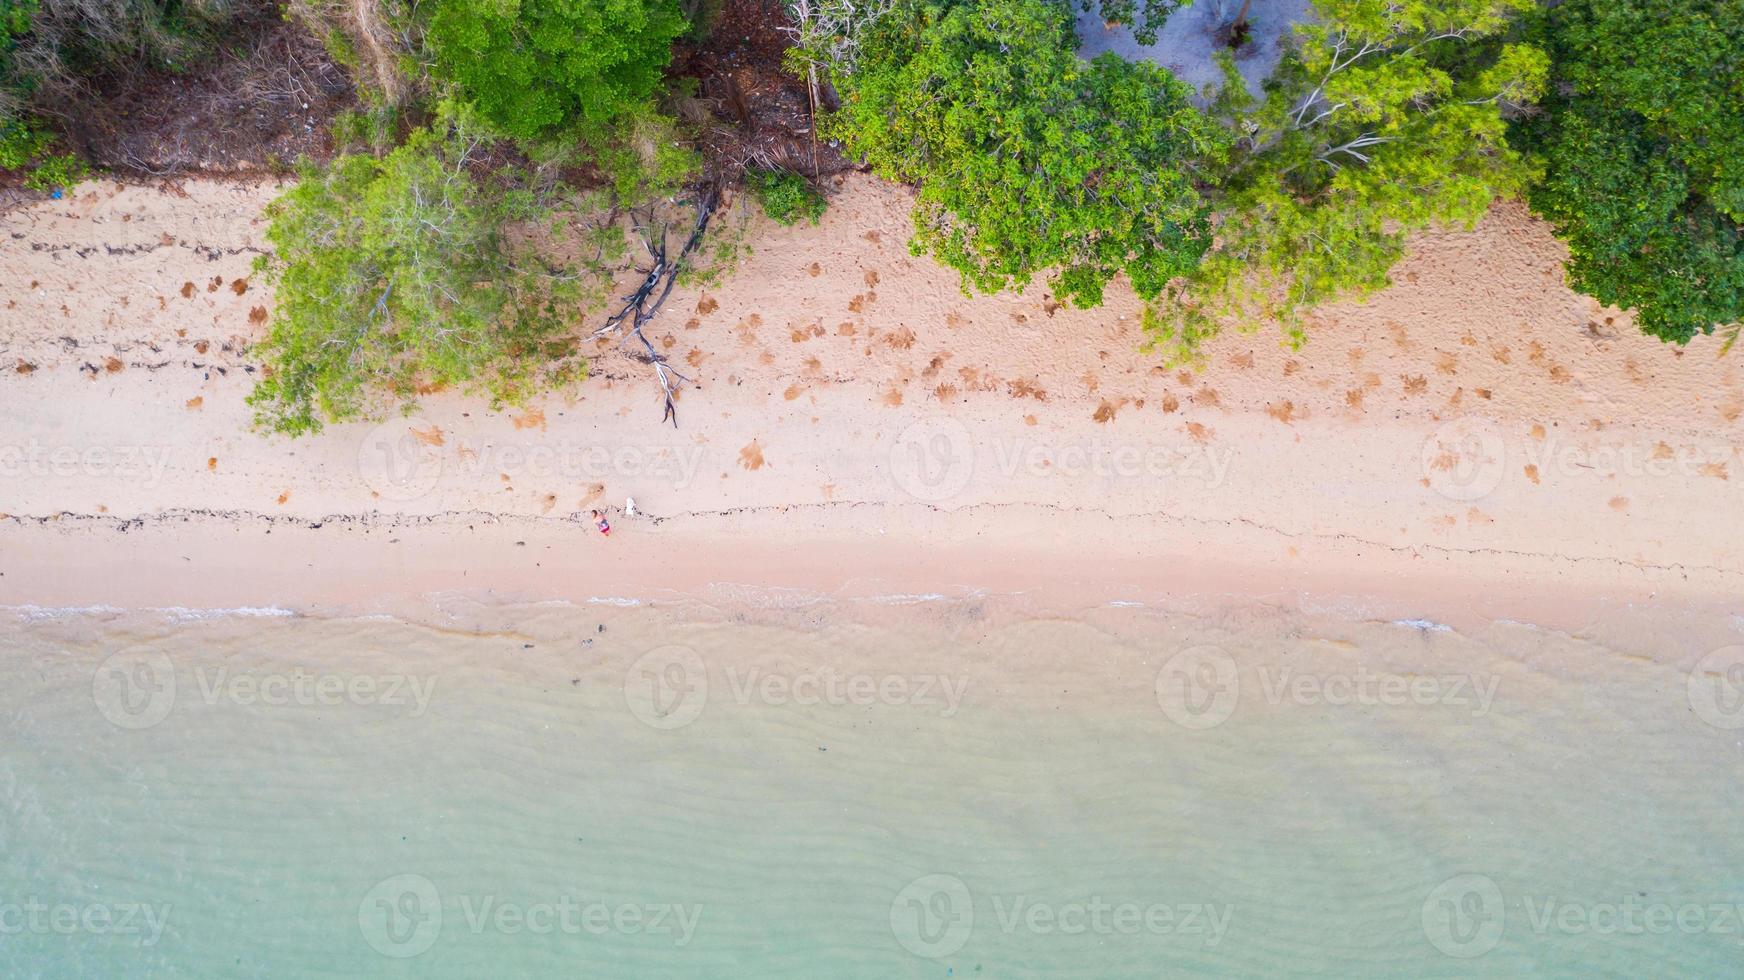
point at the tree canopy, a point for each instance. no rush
(395, 275)
(1028, 158)
(1643, 145)
(1377, 123)
(535, 67)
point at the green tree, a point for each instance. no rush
(538, 67)
(1643, 145)
(1027, 158)
(398, 274)
(1376, 124)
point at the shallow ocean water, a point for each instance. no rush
(906, 789)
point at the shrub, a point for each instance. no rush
(537, 67)
(26, 148)
(786, 197)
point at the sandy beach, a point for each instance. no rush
(1478, 442)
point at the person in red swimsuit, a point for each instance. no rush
(599, 521)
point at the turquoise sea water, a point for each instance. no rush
(826, 790)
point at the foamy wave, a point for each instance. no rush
(1424, 625)
(32, 613)
(183, 613)
(907, 599)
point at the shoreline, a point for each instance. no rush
(253, 565)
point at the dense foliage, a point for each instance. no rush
(537, 67)
(787, 198)
(1376, 124)
(396, 274)
(1029, 159)
(1643, 143)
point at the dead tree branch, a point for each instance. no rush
(643, 304)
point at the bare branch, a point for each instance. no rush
(644, 303)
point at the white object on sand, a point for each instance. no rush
(629, 506)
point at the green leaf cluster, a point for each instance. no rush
(1375, 125)
(1643, 145)
(535, 68)
(787, 198)
(24, 146)
(1144, 17)
(402, 274)
(1028, 158)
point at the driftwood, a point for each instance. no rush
(642, 305)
